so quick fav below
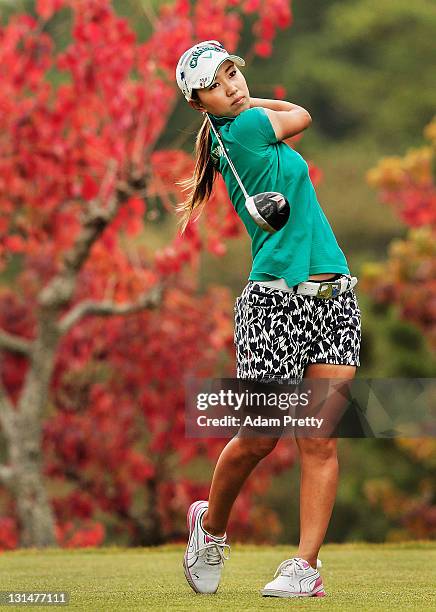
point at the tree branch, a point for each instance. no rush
(6, 474)
(97, 217)
(105, 308)
(13, 343)
(7, 412)
(149, 13)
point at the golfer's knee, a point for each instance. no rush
(322, 449)
(256, 447)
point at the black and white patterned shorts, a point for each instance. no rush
(277, 333)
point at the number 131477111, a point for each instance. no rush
(46, 598)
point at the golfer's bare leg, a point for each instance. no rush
(237, 460)
(319, 472)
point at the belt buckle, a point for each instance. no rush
(328, 290)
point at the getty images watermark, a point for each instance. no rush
(254, 399)
(361, 407)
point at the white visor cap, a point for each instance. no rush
(198, 66)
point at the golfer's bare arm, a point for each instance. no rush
(287, 119)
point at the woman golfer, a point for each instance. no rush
(290, 321)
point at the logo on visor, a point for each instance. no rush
(203, 82)
(196, 54)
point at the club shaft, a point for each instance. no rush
(232, 167)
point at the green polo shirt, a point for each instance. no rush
(306, 244)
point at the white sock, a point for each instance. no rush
(210, 534)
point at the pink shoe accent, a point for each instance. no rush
(192, 514)
(318, 584)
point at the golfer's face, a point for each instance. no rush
(221, 98)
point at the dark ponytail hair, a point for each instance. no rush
(201, 182)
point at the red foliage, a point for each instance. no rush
(315, 174)
(408, 278)
(279, 92)
(86, 534)
(8, 533)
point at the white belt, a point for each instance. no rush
(322, 289)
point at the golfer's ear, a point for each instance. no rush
(196, 106)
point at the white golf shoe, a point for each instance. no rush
(295, 578)
(205, 554)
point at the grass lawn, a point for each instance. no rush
(356, 576)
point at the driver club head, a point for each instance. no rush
(270, 210)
